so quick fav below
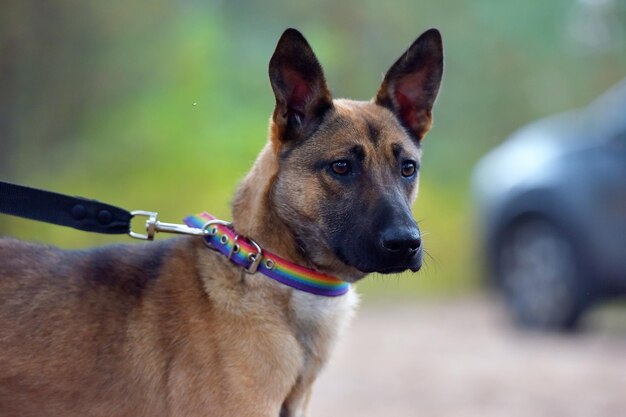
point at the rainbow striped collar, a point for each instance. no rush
(248, 254)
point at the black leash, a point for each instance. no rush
(81, 213)
(77, 212)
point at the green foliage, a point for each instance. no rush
(163, 105)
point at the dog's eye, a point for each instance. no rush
(341, 167)
(408, 168)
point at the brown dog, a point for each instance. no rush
(173, 329)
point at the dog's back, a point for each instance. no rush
(67, 318)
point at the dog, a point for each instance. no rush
(171, 328)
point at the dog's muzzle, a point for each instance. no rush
(401, 249)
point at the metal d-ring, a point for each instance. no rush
(208, 230)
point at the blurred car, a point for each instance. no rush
(551, 202)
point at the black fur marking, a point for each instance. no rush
(286, 151)
(321, 165)
(397, 150)
(124, 269)
(373, 133)
(358, 152)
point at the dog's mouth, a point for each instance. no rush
(394, 270)
(370, 264)
(390, 270)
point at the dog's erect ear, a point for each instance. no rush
(410, 87)
(297, 78)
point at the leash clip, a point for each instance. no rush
(150, 225)
(153, 226)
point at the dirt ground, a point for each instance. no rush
(462, 358)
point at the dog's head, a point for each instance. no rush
(348, 170)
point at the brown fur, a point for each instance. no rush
(173, 329)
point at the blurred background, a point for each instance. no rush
(163, 105)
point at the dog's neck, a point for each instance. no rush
(254, 215)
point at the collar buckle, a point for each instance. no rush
(254, 258)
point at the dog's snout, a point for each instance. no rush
(401, 241)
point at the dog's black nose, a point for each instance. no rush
(401, 241)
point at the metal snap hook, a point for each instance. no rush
(150, 225)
